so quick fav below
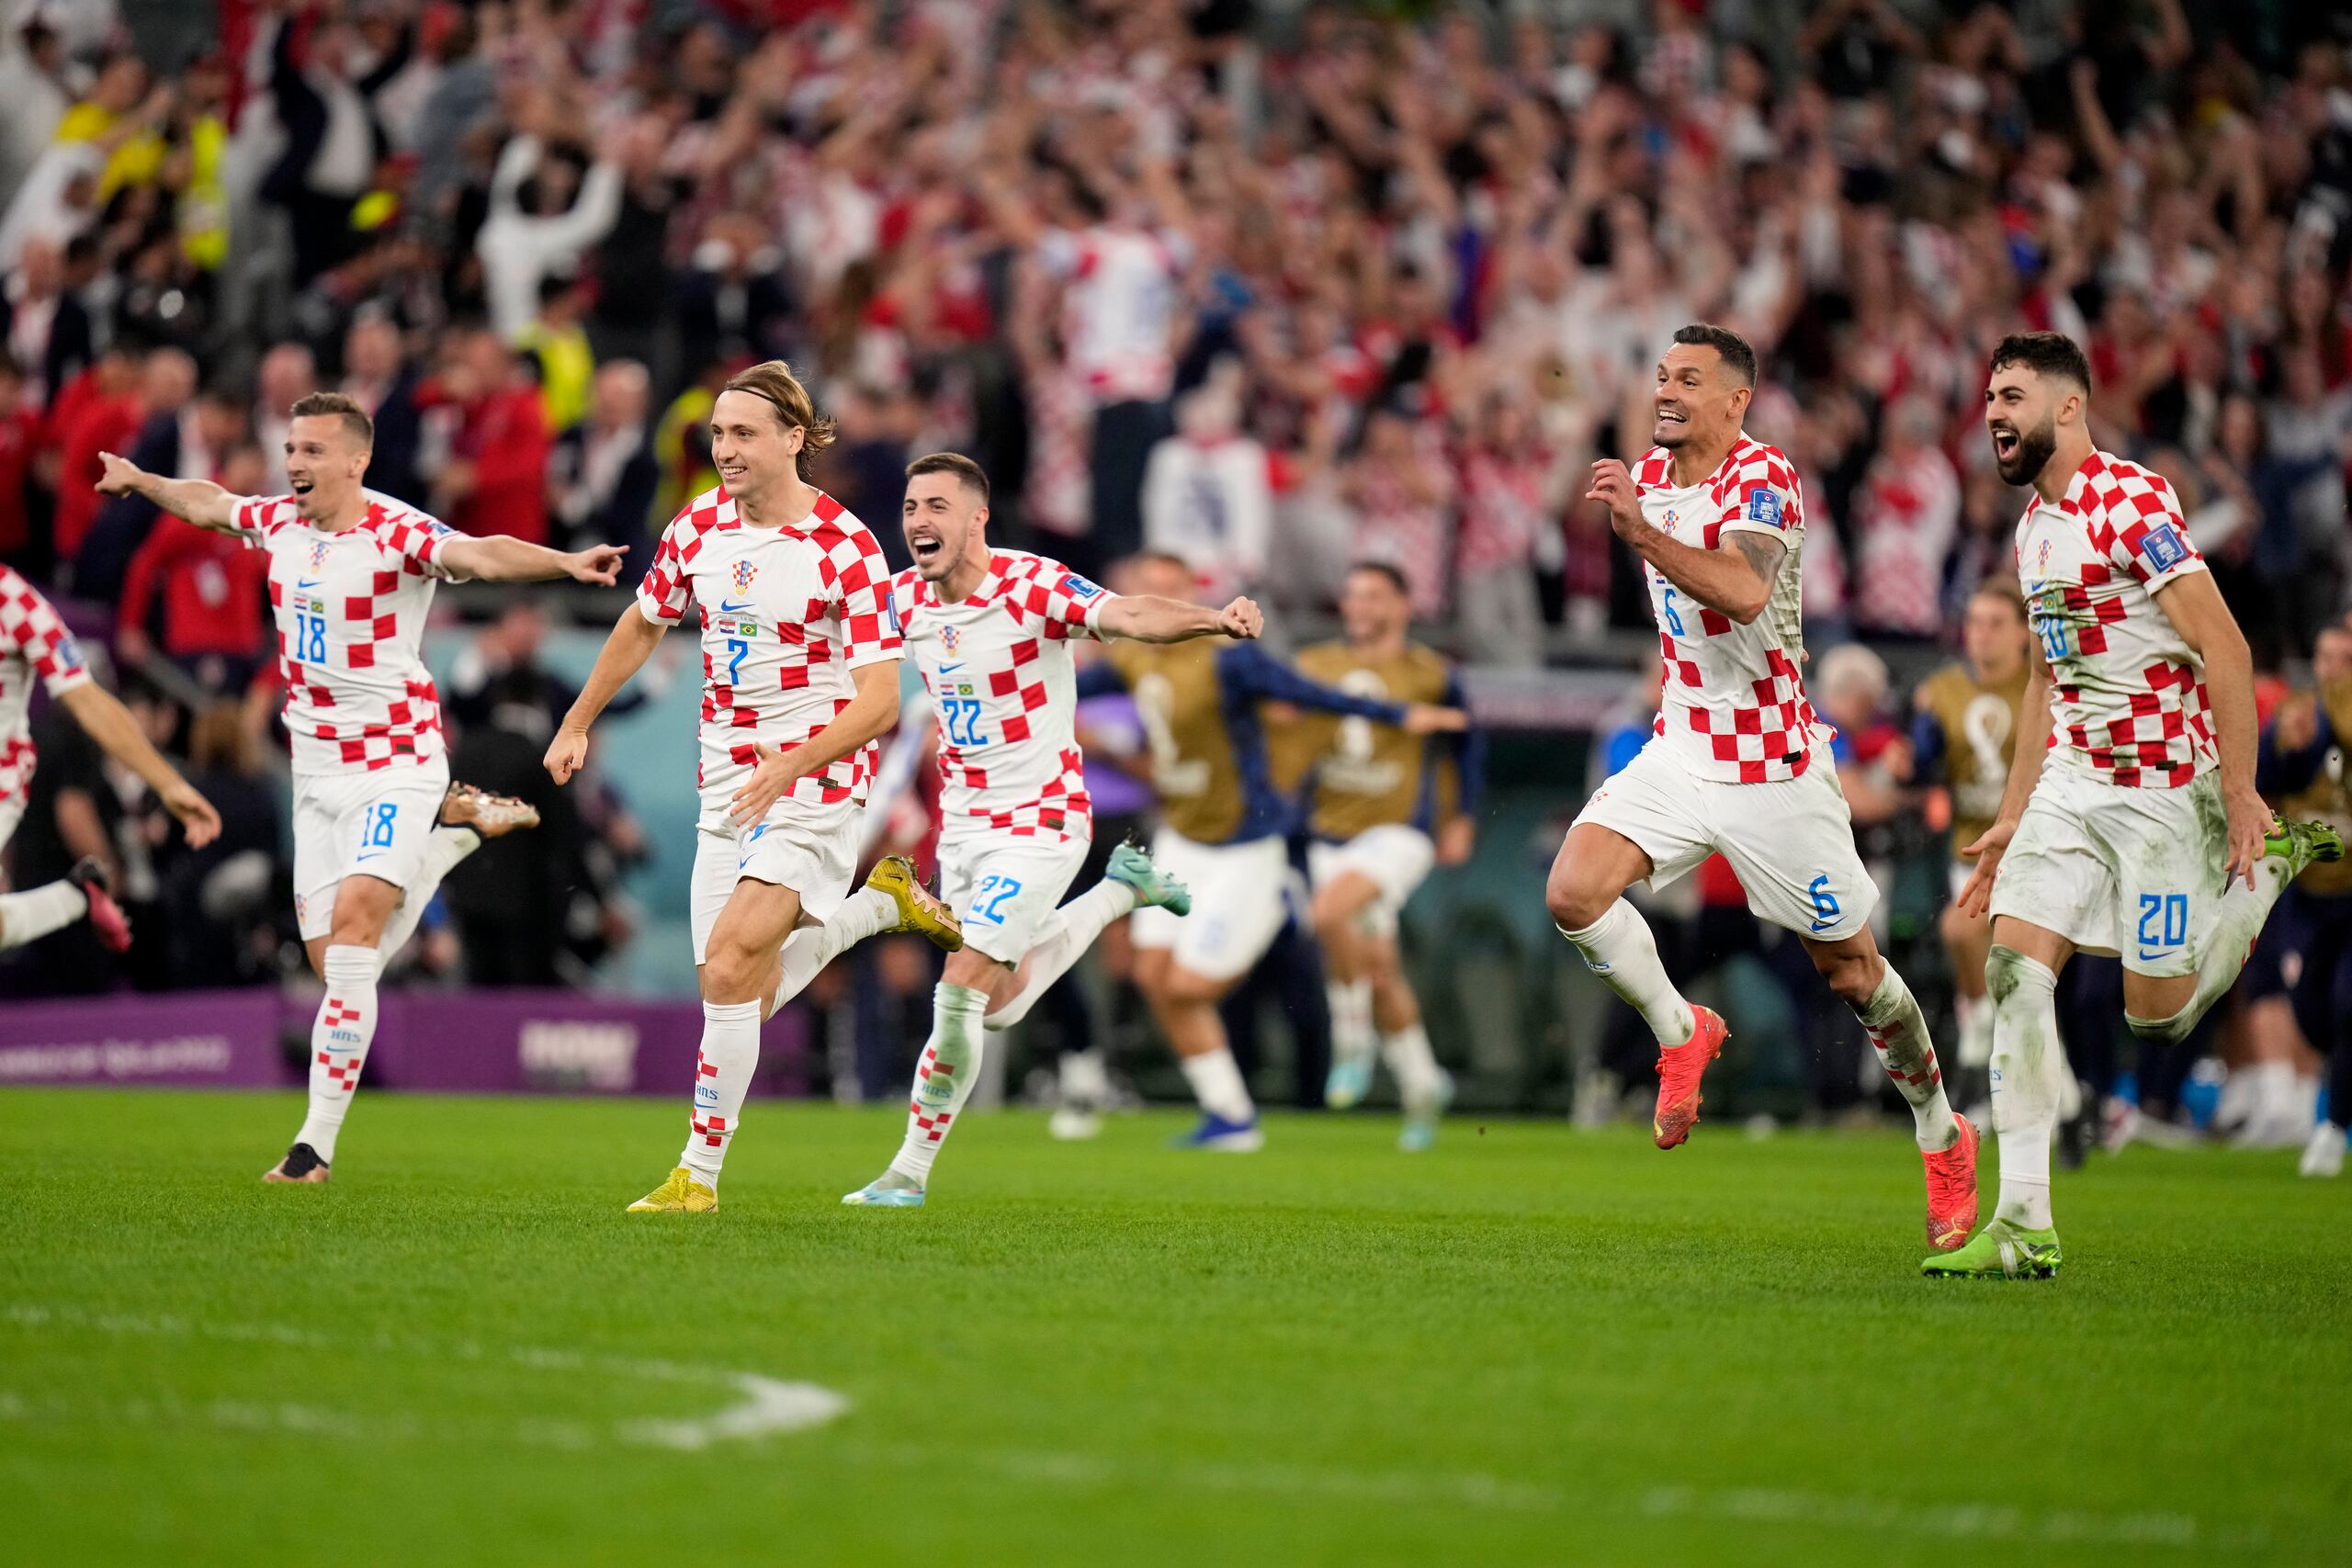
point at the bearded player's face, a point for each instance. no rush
(2021, 415)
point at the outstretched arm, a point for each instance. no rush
(1147, 618)
(201, 501)
(2025, 770)
(110, 724)
(1256, 674)
(1734, 578)
(634, 638)
(500, 557)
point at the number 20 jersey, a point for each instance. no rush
(997, 664)
(2127, 695)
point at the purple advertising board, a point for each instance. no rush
(464, 1041)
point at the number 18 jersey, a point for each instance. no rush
(997, 664)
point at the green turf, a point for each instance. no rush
(1531, 1345)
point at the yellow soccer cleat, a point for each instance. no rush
(681, 1194)
(919, 909)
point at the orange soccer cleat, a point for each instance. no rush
(1680, 1067)
(1951, 1188)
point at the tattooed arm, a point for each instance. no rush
(1735, 577)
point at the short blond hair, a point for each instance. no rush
(773, 381)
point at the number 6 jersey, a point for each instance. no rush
(997, 664)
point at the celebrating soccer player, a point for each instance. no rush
(34, 641)
(1735, 764)
(2142, 835)
(377, 822)
(990, 631)
(800, 674)
(1384, 806)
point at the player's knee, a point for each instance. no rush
(1854, 976)
(1575, 900)
(733, 971)
(2007, 971)
(2168, 1031)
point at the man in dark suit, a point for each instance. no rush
(376, 371)
(602, 476)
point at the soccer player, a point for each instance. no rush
(1384, 806)
(34, 641)
(990, 631)
(1735, 764)
(1964, 730)
(2301, 758)
(377, 822)
(800, 658)
(2135, 835)
(1221, 833)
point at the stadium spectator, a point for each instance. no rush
(199, 596)
(377, 372)
(289, 372)
(495, 478)
(1206, 496)
(601, 475)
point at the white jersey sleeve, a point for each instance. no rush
(34, 642)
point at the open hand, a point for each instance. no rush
(1976, 892)
(1423, 719)
(198, 819)
(772, 774)
(2250, 820)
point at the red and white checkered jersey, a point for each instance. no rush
(1735, 705)
(351, 608)
(33, 641)
(997, 664)
(787, 613)
(2127, 695)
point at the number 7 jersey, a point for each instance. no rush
(997, 664)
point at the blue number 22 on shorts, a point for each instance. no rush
(993, 893)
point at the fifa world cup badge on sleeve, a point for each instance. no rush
(1764, 506)
(2164, 547)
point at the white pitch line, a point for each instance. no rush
(766, 1406)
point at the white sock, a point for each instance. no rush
(1217, 1084)
(723, 1068)
(1065, 936)
(1898, 1033)
(2223, 948)
(444, 849)
(33, 914)
(1353, 1037)
(1083, 1081)
(339, 1041)
(1619, 948)
(867, 913)
(944, 1078)
(1975, 1031)
(1420, 1080)
(2025, 1098)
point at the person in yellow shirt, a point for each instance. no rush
(1384, 806)
(559, 345)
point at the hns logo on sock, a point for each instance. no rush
(706, 1095)
(349, 1036)
(2163, 547)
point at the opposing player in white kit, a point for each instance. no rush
(1735, 764)
(801, 673)
(34, 642)
(2132, 835)
(991, 632)
(377, 822)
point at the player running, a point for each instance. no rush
(800, 674)
(1384, 806)
(377, 822)
(34, 641)
(1737, 764)
(1221, 833)
(2134, 836)
(991, 632)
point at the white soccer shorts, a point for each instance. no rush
(810, 849)
(2132, 872)
(1003, 886)
(360, 824)
(1238, 904)
(1791, 841)
(1395, 859)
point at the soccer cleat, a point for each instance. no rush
(887, 1190)
(1074, 1124)
(1679, 1068)
(1951, 1190)
(2302, 844)
(2324, 1155)
(1419, 1131)
(919, 911)
(680, 1194)
(1154, 888)
(491, 815)
(1347, 1083)
(301, 1165)
(2001, 1251)
(106, 916)
(1220, 1136)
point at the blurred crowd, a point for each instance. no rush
(1269, 286)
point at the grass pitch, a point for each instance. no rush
(1531, 1345)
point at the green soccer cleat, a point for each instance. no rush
(1154, 887)
(1419, 1131)
(2302, 844)
(1347, 1083)
(2000, 1251)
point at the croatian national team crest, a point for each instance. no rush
(318, 554)
(741, 576)
(2042, 558)
(949, 637)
